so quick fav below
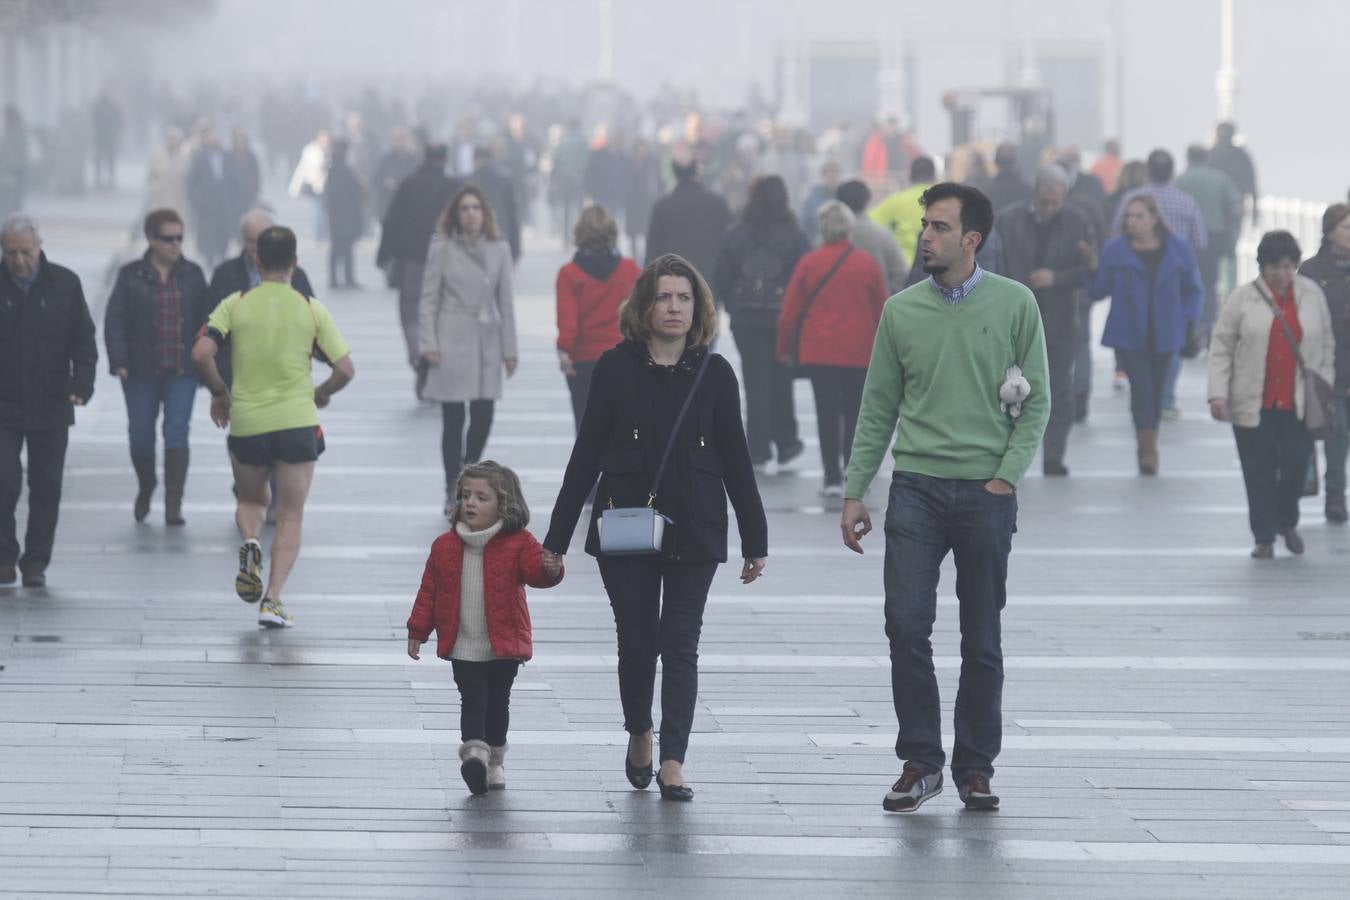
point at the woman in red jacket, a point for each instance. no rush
(473, 597)
(830, 315)
(591, 288)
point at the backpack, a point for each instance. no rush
(762, 282)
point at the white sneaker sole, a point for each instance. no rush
(270, 621)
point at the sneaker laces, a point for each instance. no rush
(908, 778)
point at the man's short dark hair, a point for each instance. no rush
(922, 170)
(1005, 156)
(1196, 154)
(854, 194)
(977, 213)
(1276, 247)
(276, 249)
(684, 171)
(158, 218)
(1160, 166)
(436, 155)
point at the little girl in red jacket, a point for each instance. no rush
(473, 597)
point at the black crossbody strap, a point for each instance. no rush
(1284, 323)
(675, 430)
(815, 292)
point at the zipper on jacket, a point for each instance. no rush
(635, 434)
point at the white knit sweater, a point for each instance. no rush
(472, 643)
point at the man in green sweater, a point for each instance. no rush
(942, 355)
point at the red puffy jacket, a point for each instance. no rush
(588, 309)
(841, 323)
(510, 562)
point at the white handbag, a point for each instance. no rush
(640, 530)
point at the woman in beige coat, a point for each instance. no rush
(1255, 383)
(466, 326)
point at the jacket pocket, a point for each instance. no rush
(624, 481)
(708, 496)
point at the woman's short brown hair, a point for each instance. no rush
(595, 229)
(158, 218)
(450, 218)
(511, 506)
(633, 314)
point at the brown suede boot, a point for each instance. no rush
(175, 477)
(1147, 440)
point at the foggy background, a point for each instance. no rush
(1144, 71)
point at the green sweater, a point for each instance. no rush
(936, 369)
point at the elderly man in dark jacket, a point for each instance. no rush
(1048, 245)
(408, 226)
(690, 221)
(47, 361)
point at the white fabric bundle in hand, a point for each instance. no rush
(1015, 389)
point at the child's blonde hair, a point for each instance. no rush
(511, 506)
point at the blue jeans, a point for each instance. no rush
(146, 396)
(928, 517)
(1150, 374)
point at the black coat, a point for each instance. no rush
(413, 215)
(742, 251)
(212, 206)
(691, 221)
(344, 197)
(231, 277)
(1335, 283)
(632, 405)
(47, 349)
(501, 196)
(1026, 248)
(129, 329)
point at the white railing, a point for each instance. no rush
(1301, 218)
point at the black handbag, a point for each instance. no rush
(640, 530)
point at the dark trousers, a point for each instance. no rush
(928, 517)
(769, 413)
(1061, 348)
(1337, 447)
(658, 612)
(579, 386)
(838, 391)
(340, 254)
(457, 448)
(1275, 456)
(1148, 383)
(1207, 260)
(1082, 358)
(485, 699)
(409, 296)
(145, 397)
(46, 466)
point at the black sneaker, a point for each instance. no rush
(976, 794)
(1293, 541)
(913, 789)
(34, 578)
(790, 452)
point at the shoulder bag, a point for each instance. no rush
(1319, 396)
(639, 530)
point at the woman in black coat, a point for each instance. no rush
(344, 196)
(753, 270)
(158, 304)
(636, 393)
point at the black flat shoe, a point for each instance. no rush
(681, 792)
(639, 777)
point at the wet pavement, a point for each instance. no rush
(1174, 712)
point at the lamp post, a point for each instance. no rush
(1225, 80)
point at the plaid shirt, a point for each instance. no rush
(168, 325)
(958, 293)
(1180, 212)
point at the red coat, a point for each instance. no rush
(588, 309)
(842, 321)
(510, 562)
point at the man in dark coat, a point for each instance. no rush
(243, 176)
(344, 199)
(691, 220)
(209, 193)
(1006, 188)
(501, 196)
(47, 360)
(1048, 245)
(107, 133)
(413, 213)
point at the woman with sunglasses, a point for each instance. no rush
(158, 304)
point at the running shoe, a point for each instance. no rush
(914, 788)
(272, 614)
(248, 583)
(976, 794)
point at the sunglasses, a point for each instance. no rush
(170, 238)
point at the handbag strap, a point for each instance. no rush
(675, 430)
(1284, 323)
(815, 292)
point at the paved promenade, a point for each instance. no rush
(1175, 713)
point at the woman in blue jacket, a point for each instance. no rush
(1154, 284)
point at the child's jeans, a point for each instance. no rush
(485, 699)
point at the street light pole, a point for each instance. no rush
(1225, 80)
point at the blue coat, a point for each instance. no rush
(1177, 298)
